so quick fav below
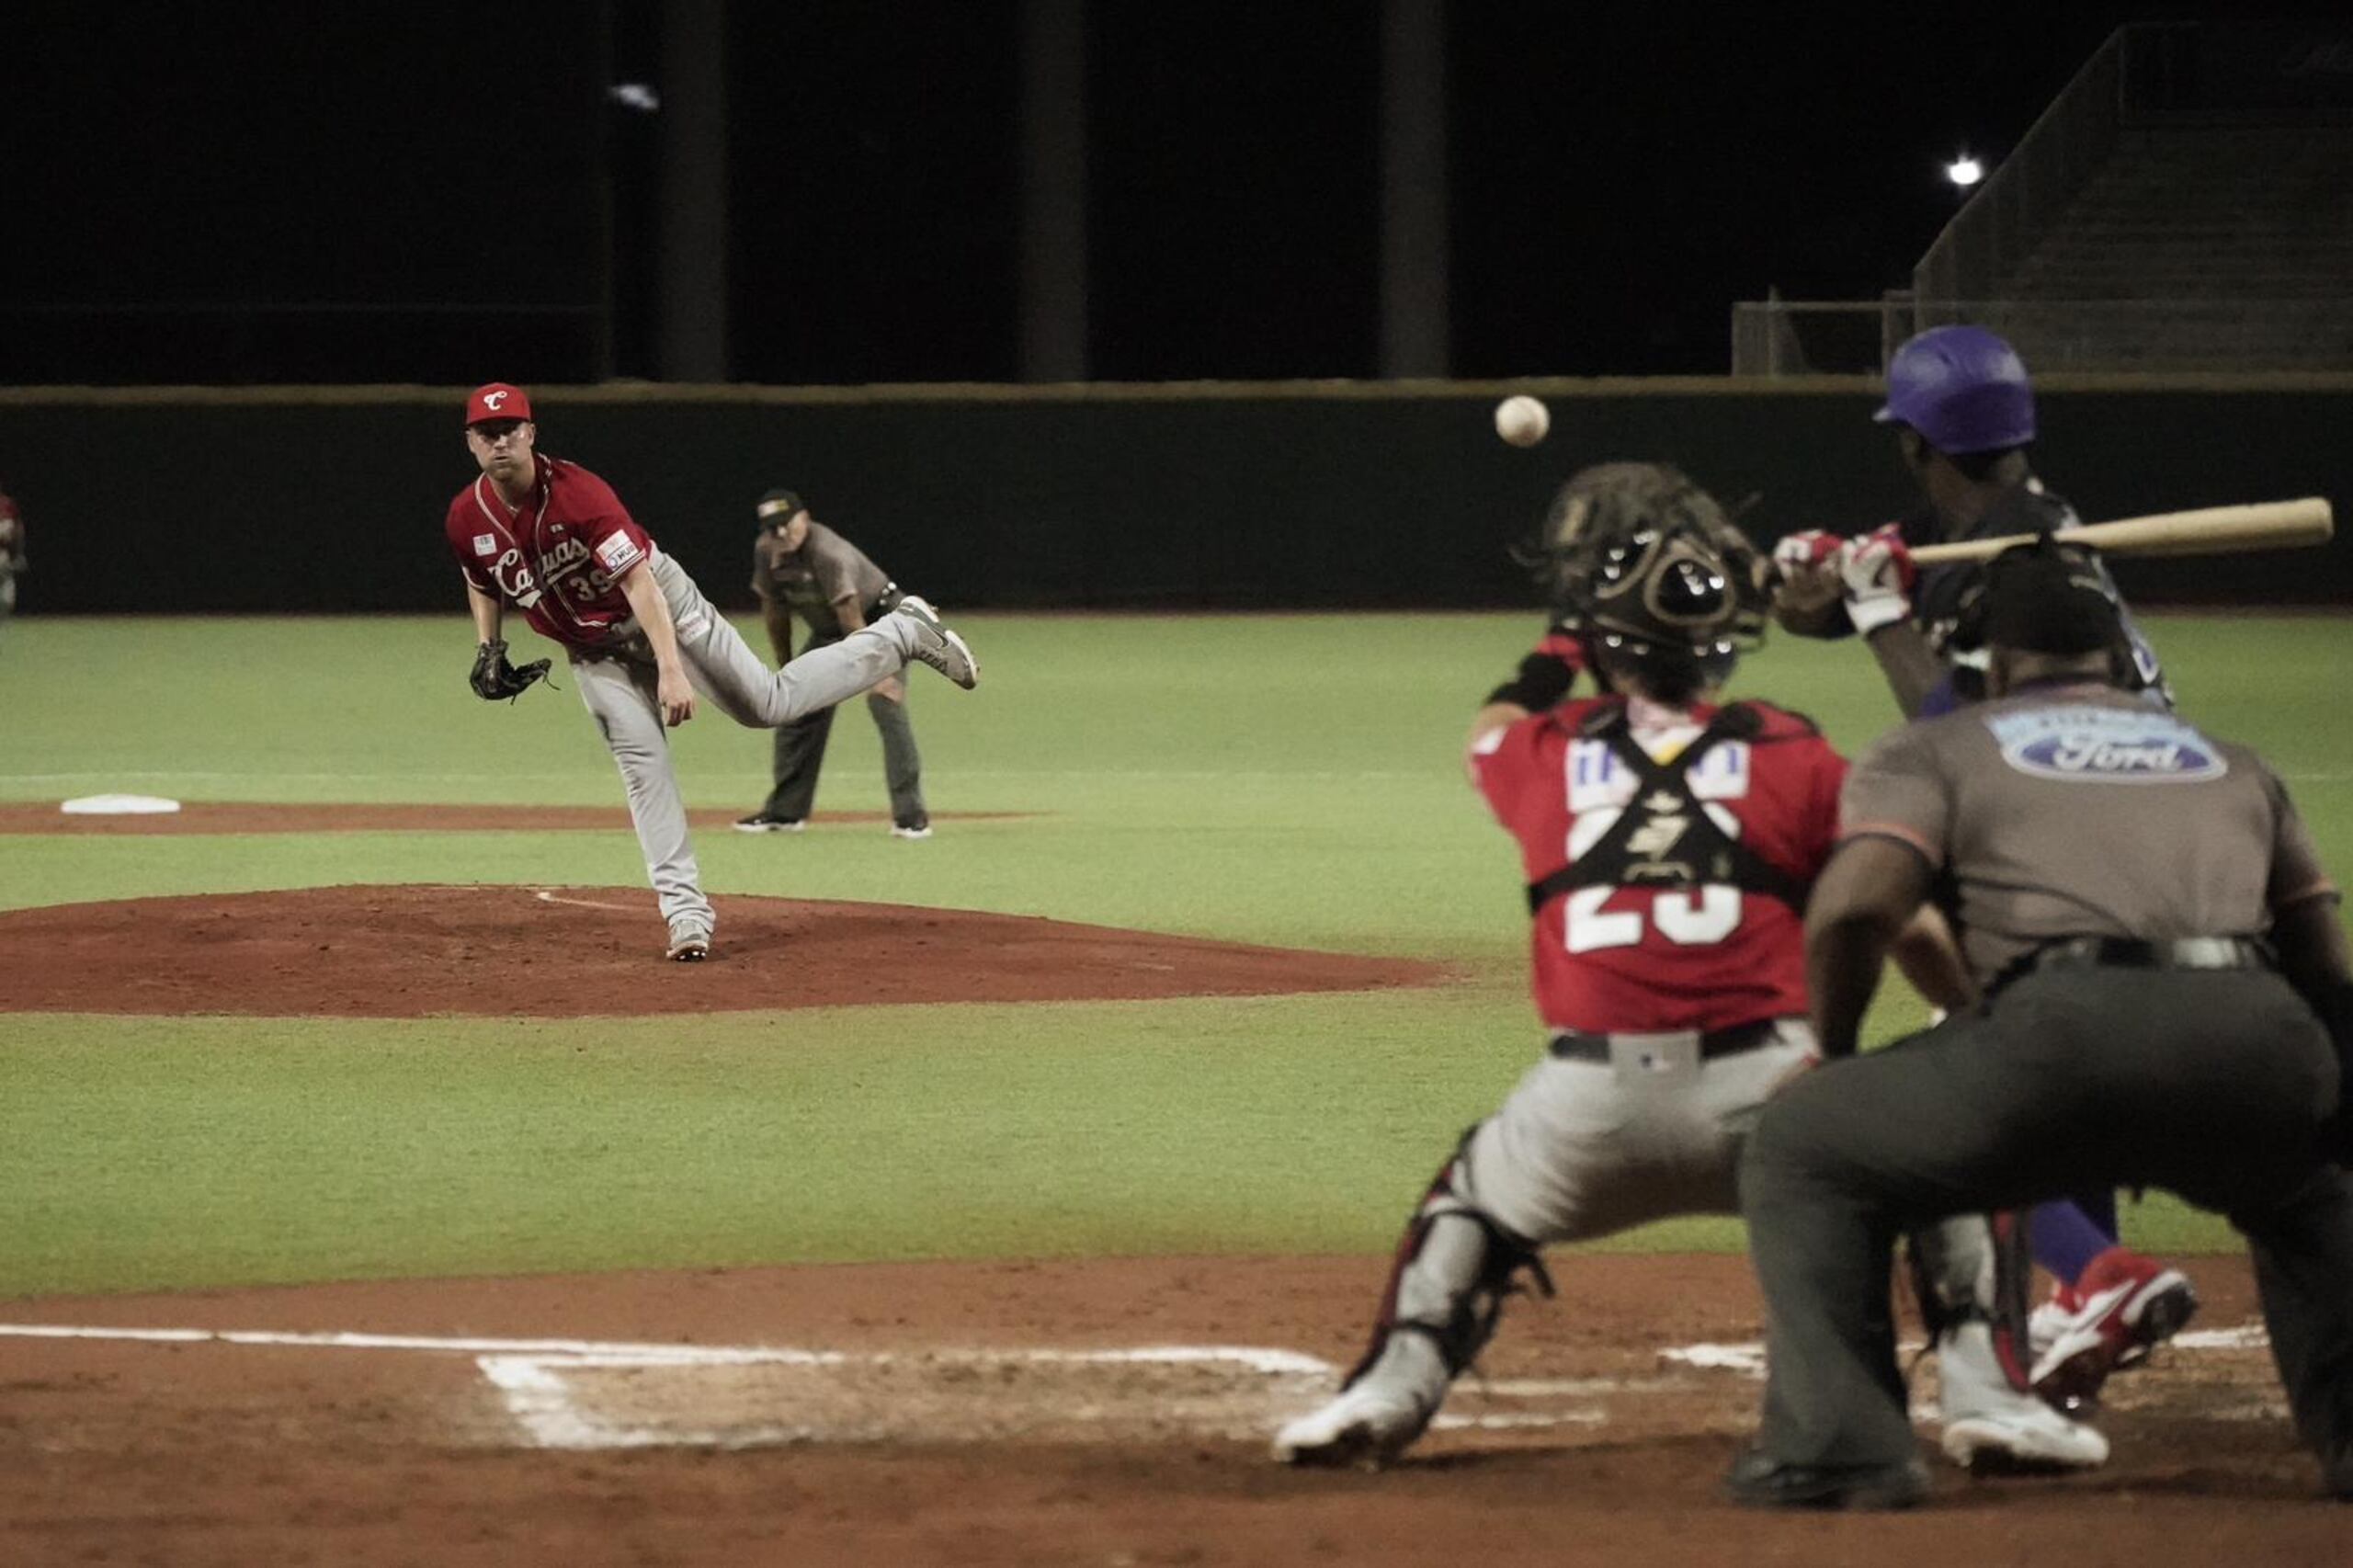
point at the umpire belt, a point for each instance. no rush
(2125, 952)
(1575, 1045)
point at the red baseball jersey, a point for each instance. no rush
(559, 557)
(1636, 960)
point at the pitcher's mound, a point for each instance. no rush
(412, 951)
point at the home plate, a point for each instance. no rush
(119, 806)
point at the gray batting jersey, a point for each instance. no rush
(2080, 811)
(809, 581)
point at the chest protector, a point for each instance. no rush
(1664, 837)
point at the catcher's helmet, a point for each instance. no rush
(1964, 389)
(1649, 571)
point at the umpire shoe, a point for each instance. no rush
(760, 822)
(2125, 1306)
(1363, 1425)
(1992, 1427)
(1757, 1480)
(936, 645)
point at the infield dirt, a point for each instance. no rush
(211, 1453)
(496, 951)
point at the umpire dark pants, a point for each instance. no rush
(800, 755)
(2212, 1084)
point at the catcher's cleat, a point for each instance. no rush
(760, 822)
(2031, 1440)
(688, 947)
(936, 645)
(1362, 1426)
(1993, 1427)
(919, 828)
(1758, 1481)
(2122, 1311)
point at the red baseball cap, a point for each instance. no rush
(497, 400)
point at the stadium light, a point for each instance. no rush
(1964, 171)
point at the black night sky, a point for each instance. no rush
(373, 192)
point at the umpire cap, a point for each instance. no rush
(777, 507)
(2050, 598)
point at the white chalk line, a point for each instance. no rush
(1747, 1357)
(546, 896)
(635, 1353)
(350, 1341)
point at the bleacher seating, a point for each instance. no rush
(2186, 204)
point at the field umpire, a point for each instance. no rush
(2158, 944)
(800, 565)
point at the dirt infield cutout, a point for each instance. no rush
(585, 1395)
(1035, 1411)
(409, 951)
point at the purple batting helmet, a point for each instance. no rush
(1964, 389)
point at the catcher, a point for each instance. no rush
(1668, 964)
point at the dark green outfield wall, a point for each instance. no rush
(1283, 495)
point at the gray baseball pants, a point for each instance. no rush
(2214, 1084)
(618, 686)
(800, 755)
(1583, 1149)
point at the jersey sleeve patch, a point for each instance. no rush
(617, 553)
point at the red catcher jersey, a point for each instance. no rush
(1631, 961)
(559, 558)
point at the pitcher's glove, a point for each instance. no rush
(493, 677)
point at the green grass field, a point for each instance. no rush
(1279, 779)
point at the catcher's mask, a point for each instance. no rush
(1651, 572)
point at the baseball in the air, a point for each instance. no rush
(1522, 420)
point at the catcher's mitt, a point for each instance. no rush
(493, 677)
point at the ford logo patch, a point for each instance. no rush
(2106, 746)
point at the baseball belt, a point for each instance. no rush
(2124, 952)
(1575, 1045)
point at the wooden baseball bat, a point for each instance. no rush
(2209, 531)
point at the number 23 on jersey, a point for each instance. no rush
(1600, 788)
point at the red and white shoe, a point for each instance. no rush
(2123, 1307)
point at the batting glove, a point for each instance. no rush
(1797, 553)
(1878, 573)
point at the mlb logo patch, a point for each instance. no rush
(485, 545)
(618, 553)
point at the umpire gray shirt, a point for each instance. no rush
(2079, 811)
(809, 581)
